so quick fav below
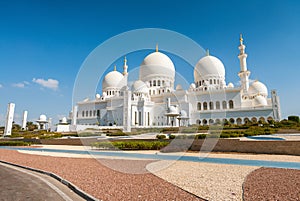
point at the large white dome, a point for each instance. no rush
(113, 79)
(157, 64)
(258, 88)
(207, 67)
(140, 87)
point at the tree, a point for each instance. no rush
(294, 118)
(30, 126)
(16, 127)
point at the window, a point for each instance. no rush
(205, 106)
(154, 83)
(217, 105)
(224, 105)
(98, 113)
(94, 113)
(214, 81)
(231, 104)
(199, 106)
(211, 105)
(158, 83)
(210, 81)
(82, 113)
(87, 113)
(150, 82)
(91, 113)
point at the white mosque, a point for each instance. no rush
(152, 101)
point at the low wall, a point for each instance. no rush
(258, 147)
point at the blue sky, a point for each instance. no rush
(42, 40)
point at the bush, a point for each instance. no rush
(131, 145)
(170, 129)
(201, 136)
(118, 133)
(14, 143)
(294, 118)
(172, 137)
(160, 137)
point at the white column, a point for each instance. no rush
(74, 115)
(9, 119)
(24, 122)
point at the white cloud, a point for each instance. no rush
(1, 86)
(50, 83)
(18, 85)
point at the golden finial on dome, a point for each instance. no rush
(125, 60)
(115, 67)
(156, 48)
(207, 52)
(241, 39)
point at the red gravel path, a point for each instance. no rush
(100, 181)
(272, 184)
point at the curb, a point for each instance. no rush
(71, 186)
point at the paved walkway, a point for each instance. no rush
(21, 184)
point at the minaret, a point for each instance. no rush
(244, 73)
(125, 67)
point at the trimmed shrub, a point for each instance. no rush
(14, 143)
(160, 137)
(131, 145)
(171, 137)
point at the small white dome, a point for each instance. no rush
(259, 101)
(209, 66)
(43, 117)
(140, 87)
(64, 120)
(183, 113)
(104, 94)
(157, 63)
(98, 96)
(258, 88)
(230, 85)
(178, 87)
(172, 110)
(112, 79)
(192, 86)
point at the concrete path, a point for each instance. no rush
(20, 184)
